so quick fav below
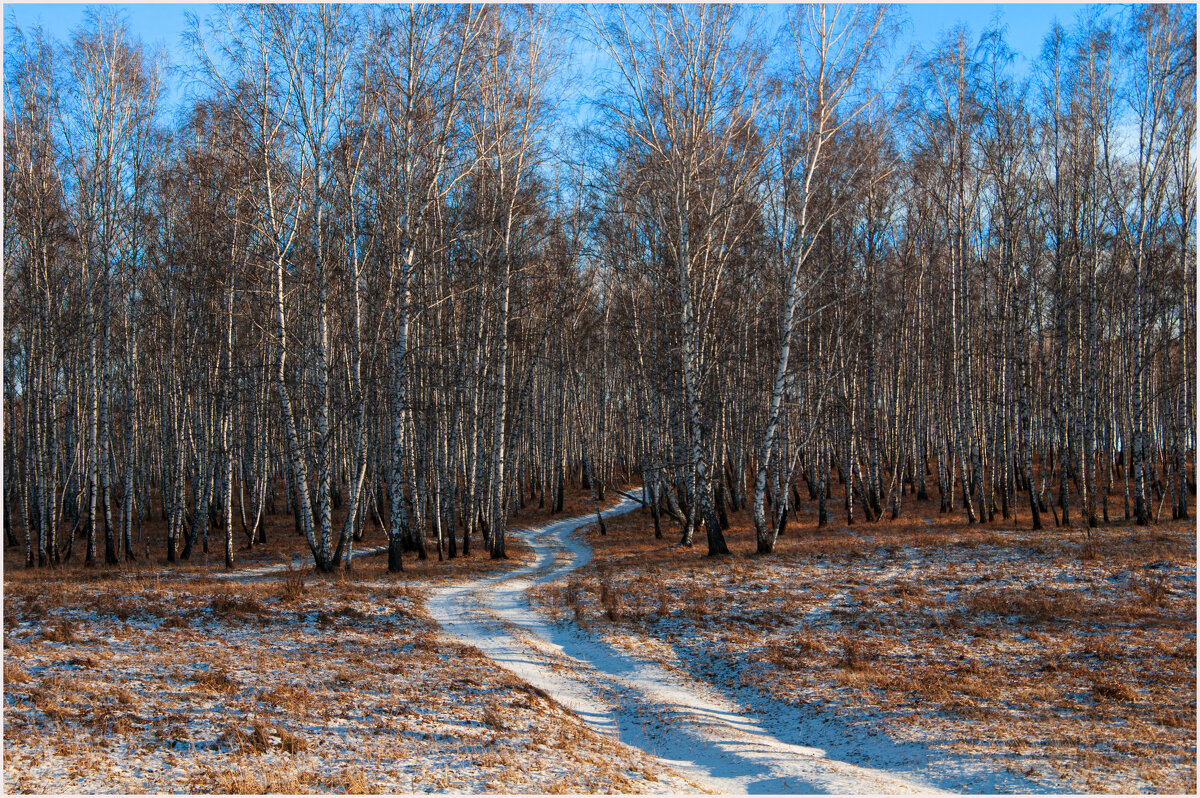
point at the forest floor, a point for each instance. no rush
(693, 726)
(888, 657)
(922, 645)
(155, 678)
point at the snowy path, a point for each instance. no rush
(685, 723)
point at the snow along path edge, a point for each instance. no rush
(685, 724)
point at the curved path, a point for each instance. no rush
(685, 723)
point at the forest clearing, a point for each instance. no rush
(599, 398)
(1065, 662)
(134, 680)
(898, 657)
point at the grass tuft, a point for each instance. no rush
(61, 632)
(294, 583)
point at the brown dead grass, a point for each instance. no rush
(233, 687)
(293, 699)
(352, 781)
(259, 780)
(216, 681)
(230, 605)
(1075, 653)
(261, 738)
(63, 631)
(293, 583)
(15, 674)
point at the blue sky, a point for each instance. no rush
(1027, 24)
(154, 23)
(162, 23)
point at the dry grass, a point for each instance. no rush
(261, 738)
(216, 681)
(352, 781)
(14, 673)
(1069, 653)
(259, 780)
(292, 586)
(132, 680)
(229, 605)
(292, 699)
(63, 631)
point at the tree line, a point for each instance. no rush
(370, 270)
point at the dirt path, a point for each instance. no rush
(686, 723)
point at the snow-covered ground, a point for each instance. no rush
(343, 685)
(979, 659)
(695, 675)
(713, 736)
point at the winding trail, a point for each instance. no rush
(685, 723)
